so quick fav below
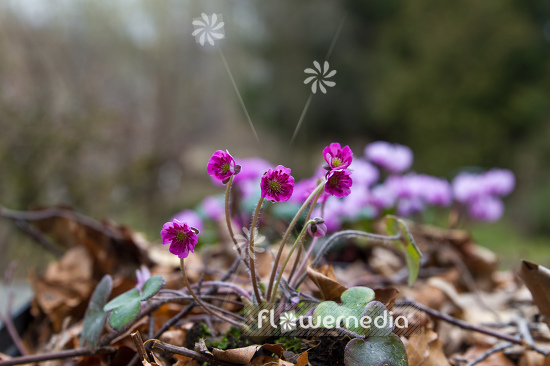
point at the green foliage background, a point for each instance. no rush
(112, 108)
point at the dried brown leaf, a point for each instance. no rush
(327, 283)
(537, 280)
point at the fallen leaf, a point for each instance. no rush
(386, 296)
(302, 359)
(185, 361)
(269, 361)
(531, 358)
(537, 280)
(426, 349)
(237, 355)
(325, 280)
(244, 355)
(496, 359)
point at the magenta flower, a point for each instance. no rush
(213, 208)
(486, 208)
(303, 189)
(142, 275)
(221, 165)
(394, 157)
(500, 182)
(181, 237)
(336, 157)
(277, 184)
(338, 183)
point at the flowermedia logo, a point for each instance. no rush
(273, 321)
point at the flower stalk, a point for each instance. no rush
(316, 191)
(251, 251)
(200, 302)
(296, 243)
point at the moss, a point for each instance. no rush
(290, 344)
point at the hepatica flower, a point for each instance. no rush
(208, 29)
(394, 157)
(337, 157)
(181, 237)
(277, 184)
(222, 165)
(338, 183)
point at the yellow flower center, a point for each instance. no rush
(274, 186)
(333, 181)
(336, 162)
(225, 167)
(181, 236)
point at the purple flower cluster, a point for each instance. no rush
(403, 191)
(480, 192)
(406, 193)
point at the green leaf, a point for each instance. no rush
(386, 350)
(94, 320)
(354, 301)
(122, 299)
(378, 318)
(125, 314)
(151, 287)
(394, 226)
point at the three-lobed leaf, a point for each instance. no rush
(127, 306)
(354, 301)
(387, 350)
(124, 315)
(151, 287)
(94, 320)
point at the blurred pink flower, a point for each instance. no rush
(486, 208)
(213, 208)
(394, 157)
(142, 275)
(500, 182)
(191, 217)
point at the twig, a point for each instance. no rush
(523, 329)
(7, 319)
(460, 323)
(347, 233)
(48, 213)
(190, 307)
(39, 237)
(201, 357)
(136, 337)
(79, 352)
(489, 352)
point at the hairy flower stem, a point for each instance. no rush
(296, 243)
(251, 251)
(292, 283)
(228, 218)
(300, 248)
(200, 302)
(287, 235)
(348, 233)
